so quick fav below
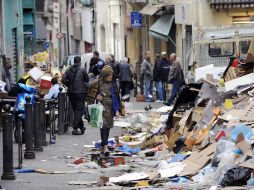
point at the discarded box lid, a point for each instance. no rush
(35, 74)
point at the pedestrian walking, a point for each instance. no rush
(125, 79)
(147, 72)
(75, 78)
(106, 92)
(109, 60)
(176, 77)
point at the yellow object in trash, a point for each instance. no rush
(41, 57)
(222, 82)
(142, 184)
(228, 104)
(127, 138)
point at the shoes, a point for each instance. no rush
(159, 101)
(104, 151)
(76, 132)
(166, 103)
(82, 129)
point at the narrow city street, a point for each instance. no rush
(59, 156)
(126, 94)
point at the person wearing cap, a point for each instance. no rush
(106, 92)
(147, 72)
(164, 72)
(96, 63)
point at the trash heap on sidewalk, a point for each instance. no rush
(205, 140)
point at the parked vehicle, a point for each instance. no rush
(68, 61)
(215, 45)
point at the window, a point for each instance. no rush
(221, 49)
(244, 47)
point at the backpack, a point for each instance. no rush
(68, 77)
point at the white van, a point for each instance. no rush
(215, 45)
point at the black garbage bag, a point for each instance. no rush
(237, 176)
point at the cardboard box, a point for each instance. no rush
(35, 74)
(45, 82)
(171, 142)
(154, 141)
(197, 114)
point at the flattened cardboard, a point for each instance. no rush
(184, 121)
(198, 160)
(197, 114)
(248, 164)
(244, 146)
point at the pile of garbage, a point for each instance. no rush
(204, 141)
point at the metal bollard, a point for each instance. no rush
(61, 110)
(43, 123)
(7, 145)
(29, 153)
(37, 125)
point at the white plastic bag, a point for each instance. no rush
(95, 113)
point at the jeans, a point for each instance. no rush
(159, 89)
(148, 89)
(78, 105)
(104, 135)
(175, 88)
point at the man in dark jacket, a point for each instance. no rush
(176, 77)
(76, 78)
(164, 72)
(125, 77)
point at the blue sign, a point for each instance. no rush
(46, 45)
(136, 19)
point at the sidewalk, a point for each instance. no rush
(55, 158)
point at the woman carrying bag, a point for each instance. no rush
(106, 92)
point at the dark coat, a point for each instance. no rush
(125, 72)
(78, 78)
(156, 71)
(176, 73)
(164, 70)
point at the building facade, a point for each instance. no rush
(12, 36)
(109, 27)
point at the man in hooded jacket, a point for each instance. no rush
(75, 78)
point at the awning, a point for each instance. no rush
(161, 28)
(226, 4)
(151, 9)
(28, 18)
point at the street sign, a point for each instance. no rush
(59, 35)
(46, 45)
(136, 19)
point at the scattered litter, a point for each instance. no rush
(129, 177)
(89, 183)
